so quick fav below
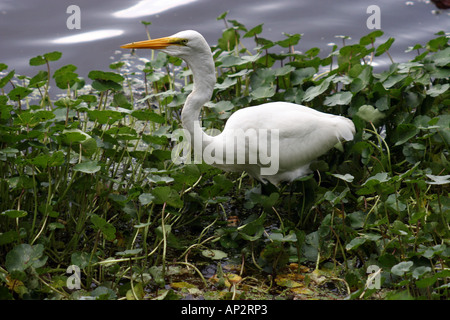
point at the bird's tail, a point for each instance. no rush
(345, 129)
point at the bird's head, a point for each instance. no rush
(183, 44)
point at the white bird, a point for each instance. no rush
(294, 134)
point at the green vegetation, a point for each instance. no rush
(86, 179)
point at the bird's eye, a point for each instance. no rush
(183, 42)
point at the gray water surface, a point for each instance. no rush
(32, 27)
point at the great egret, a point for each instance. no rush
(295, 135)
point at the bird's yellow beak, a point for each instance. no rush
(160, 43)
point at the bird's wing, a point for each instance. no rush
(304, 133)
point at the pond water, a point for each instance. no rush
(29, 27)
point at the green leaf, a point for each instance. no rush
(370, 38)
(103, 85)
(229, 40)
(9, 152)
(222, 16)
(401, 268)
(370, 114)
(441, 58)
(438, 89)
(221, 106)
(39, 80)
(263, 92)
(146, 198)
(161, 140)
(299, 76)
(237, 25)
(105, 75)
(254, 31)
(420, 271)
(394, 203)
(108, 230)
(53, 56)
(45, 160)
(87, 167)
(393, 80)
(364, 76)
(340, 98)
(227, 83)
(278, 236)
(66, 102)
(264, 44)
(382, 104)
(167, 195)
(371, 183)
(88, 147)
(6, 79)
(188, 176)
(292, 40)
(9, 237)
(104, 116)
(37, 61)
(18, 93)
(14, 213)
(404, 132)
(57, 159)
(438, 43)
(400, 228)
(279, 72)
(336, 197)
(254, 229)
(129, 253)
(74, 136)
(439, 180)
(25, 256)
(65, 76)
(40, 60)
(357, 219)
(103, 293)
(379, 178)
(167, 230)
(147, 115)
(105, 80)
(312, 52)
(20, 182)
(231, 61)
(214, 254)
(120, 100)
(310, 248)
(346, 177)
(384, 47)
(355, 243)
(432, 251)
(314, 91)
(82, 259)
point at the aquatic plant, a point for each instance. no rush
(87, 180)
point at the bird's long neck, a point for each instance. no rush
(202, 67)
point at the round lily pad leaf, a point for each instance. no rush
(214, 254)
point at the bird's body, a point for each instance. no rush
(296, 135)
(304, 134)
